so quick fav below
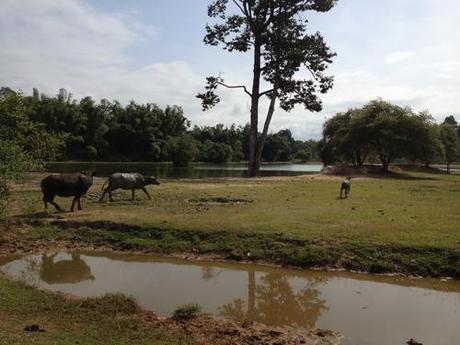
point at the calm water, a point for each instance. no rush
(164, 170)
(368, 310)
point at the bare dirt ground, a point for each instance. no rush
(209, 330)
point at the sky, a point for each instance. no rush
(404, 51)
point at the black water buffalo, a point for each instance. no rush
(66, 185)
(130, 181)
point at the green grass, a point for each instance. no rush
(408, 224)
(112, 319)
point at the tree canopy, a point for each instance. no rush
(24, 144)
(386, 131)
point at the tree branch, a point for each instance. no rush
(266, 92)
(240, 7)
(235, 87)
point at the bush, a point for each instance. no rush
(181, 150)
(187, 312)
(303, 155)
(216, 152)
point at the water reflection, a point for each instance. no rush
(194, 171)
(64, 271)
(274, 293)
(372, 310)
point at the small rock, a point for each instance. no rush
(274, 333)
(323, 333)
(413, 342)
(33, 328)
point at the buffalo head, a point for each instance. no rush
(151, 180)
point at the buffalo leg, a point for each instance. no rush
(73, 204)
(50, 199)
(133, 191)
(145, 191)
(79, 203)
(103, 195)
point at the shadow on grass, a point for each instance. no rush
(42, 215)
(406, 176)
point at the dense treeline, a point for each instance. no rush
(110, 131)
(381, 131)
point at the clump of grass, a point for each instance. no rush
(187, 312)
(109, 304)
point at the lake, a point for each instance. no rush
(194, 171)
(366, 309)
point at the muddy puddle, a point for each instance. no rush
(368, 310)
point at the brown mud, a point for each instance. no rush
(206, 329)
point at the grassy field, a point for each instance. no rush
(409, 223)
(107, 320)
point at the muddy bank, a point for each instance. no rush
(210, 330)
(274, 249)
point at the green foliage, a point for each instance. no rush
(383, 129)
(277, 148)
(187, 312)
(220, 144)
(109, 304)
(24, 144)
(181, 150)
(451, 143)
(216, 152)
(108, 131)
(303, 155)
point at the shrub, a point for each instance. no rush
(186, 312)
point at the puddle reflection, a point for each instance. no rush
(366, 309)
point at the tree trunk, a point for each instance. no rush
(359, 159)
(251, 293)
(261, 142)
(253, 166)
(385, 159)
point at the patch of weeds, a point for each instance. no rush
(110, 304)
(187, 312)
(380, 267)
(221, 200)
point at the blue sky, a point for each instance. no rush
(405, 51)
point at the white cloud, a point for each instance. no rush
(52, 44)
(397, 56)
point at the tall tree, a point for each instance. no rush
(276, 32)
(451, 143)
(24, 145)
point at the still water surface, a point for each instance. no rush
(165, 170)
(367, 309)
